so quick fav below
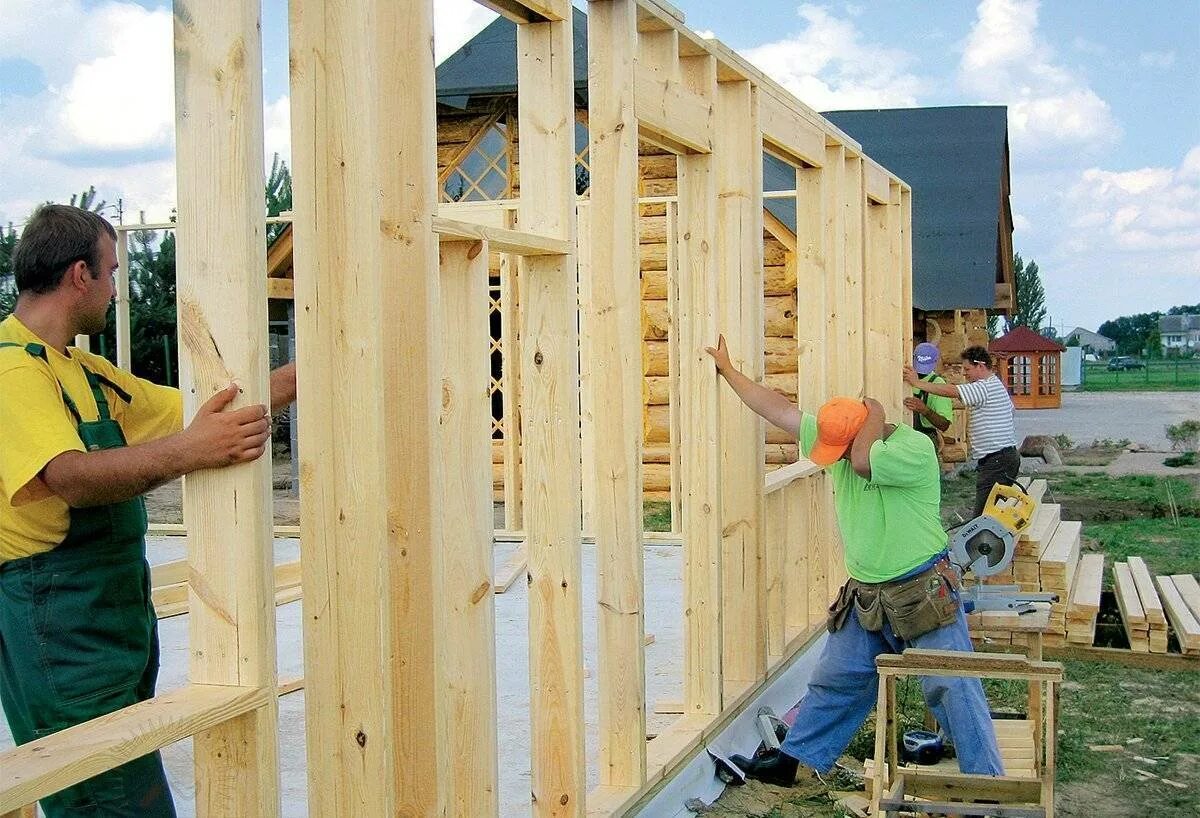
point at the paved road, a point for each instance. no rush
(1141, 417)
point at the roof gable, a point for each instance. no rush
(1023, 339)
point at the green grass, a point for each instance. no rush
(656, 515)
(1148, 492)
(1157, 376)
(1167, 547)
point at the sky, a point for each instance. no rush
(1103, 100)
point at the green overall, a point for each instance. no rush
(79, 638)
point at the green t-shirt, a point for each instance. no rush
(890, 524)
(938, 404)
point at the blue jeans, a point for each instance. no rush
(844, 685)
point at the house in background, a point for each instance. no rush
(1091, 342)
(1030, 365)
(1179, 335)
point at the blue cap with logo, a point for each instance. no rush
(925, 358)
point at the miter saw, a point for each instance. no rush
(986, 545)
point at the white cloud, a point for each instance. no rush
(1005, 61)
(828, 65)
(455, 22)
(1144, 210)
(1157, 59)
(277, 131)
(1020, 222)
(1086, 46)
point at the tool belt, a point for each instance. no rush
(913, 606)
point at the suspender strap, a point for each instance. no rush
(94, 381)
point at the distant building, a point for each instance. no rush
(1092, 342)
(1179, 334)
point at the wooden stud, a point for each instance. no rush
(218, 98)
(510, 386)
(881, 361)
(550, 419)
(673, 366)
(468, 770)
(530, 11)
(699, 416)
(737, 157)
(799, 535)
(836, 306)
(610, 302)
(124, 346)
(811, 286)
(852, 293)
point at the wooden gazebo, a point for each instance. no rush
(1030, 365)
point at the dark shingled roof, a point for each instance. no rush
(1023, 339)
(487, 64)
(956, 161)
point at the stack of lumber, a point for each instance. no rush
(1141, 609)
(1083, 605)
(1048, 560)
(1181, 599)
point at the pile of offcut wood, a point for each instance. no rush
(1147, 606)
(1048, 560)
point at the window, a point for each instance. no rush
(1019, 373)
(485, 173)
(1048, 374)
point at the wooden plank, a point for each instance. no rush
(1189, 589)
(851, 293)
(513, 569)
(786, 475)
(499, 239)
(798, 502)
(280, 288)
(795, 138)
(737, 157)
(821, 526)
(121, 308)
(1145, 588)
(1085, 591)
(883, 351)
(670, 114)
(219, 148)
(775, 526)
(550, 420)
(813, 239)
(700, 419)
(610, 306)
(468, 770)
(957, 663)
(48, 765)
(1037, 490)
(1187, 628)
(530, 11)
(833, 178)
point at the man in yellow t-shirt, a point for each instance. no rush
(80, 442)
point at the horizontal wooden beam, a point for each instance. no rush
(788, 133)
(957, 663)
(281, 288)
(1004, 297)
(670, 115)
(500, 239)
(179, 530)
(793, 471)
(46, 766)
(529, 11)
(171, 599)
(878, 182)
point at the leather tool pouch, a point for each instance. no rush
(868, 607)
(920, 604)
(840, 608)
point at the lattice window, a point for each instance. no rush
(1019, 375)
(485, 173)
(583, 168)
(496, 357)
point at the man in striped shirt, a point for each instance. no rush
(991, 429)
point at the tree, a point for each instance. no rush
(1030, 296)
(8, 284)
(1132, 333)
(279, 195)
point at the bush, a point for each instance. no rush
(1184, 436)
(1185, 459)
(1063, 442)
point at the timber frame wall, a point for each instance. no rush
(391, 296)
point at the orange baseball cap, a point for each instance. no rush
(838, 421)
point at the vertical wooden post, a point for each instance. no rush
(370, 368)
(833, 175)
(737, 158)
(905, 248)
(850, 342)
(124, 350)
(821, 529)
(775, 579)
(510, 380)
(222, 333)
(405, 142)
(811, 284)
(798, 537)
(883, 349)
(699, 415)
(673, 364)
(611, 303)
(550, 418)
(467, 677)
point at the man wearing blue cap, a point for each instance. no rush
(931, 412)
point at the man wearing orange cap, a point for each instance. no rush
(901, 593)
